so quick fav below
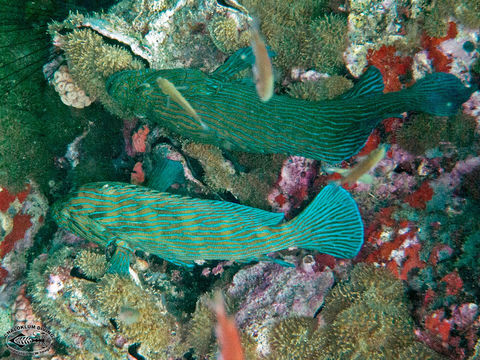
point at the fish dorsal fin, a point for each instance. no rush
(371, 82)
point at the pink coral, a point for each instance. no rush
(292, 187)
(137, 176)
(139, 139)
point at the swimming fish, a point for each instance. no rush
(359, 172)
(330, 130)
(182, 229)
(262, 69)
(227, 333)
(170, 90)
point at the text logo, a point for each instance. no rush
(28, 340)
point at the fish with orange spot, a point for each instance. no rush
(227, 333)
(360, 172)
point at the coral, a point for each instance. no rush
(302, 34)
(226, 35)
(91, 61)
(154, 327)
(367, 317)
(202, 335)
(267, 293)
(249, 185)
(294, 339)
(70, 305)
(423, 132)
(439, 60)
(421, 196)
(69, 92)
(92, 264)
(468, 262)
(392, 66)
(328, 42)
(139, 138)
(138, 175)
(323, 89)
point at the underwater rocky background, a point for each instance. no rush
(411, 293)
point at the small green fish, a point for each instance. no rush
(237, 119)
(182, 229)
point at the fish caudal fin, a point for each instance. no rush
(331, 224)
(439, 94)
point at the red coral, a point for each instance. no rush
(439, 60)
(454, 283)
(390, 65)
(412, 262)
(21, 223)
(137, 176)
(3, 275)
(6, 198)
(371, 144)
(139, 138)
(420, 197)
(438, 326)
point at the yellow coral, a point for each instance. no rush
(225, 34)
(154, 329)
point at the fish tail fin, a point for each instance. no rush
(439, 94)
(331, 224)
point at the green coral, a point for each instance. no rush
(91, 263)
(366, 317)
(468, 262)
(294, 339)
(323, 89)
(154, 329)
(202, 327)
(302, 33)
(423, 132)
(226, 35)
(250, 185)
(438, 13)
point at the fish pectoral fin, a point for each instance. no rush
(371, 82)
(276, 261)
(120, 261)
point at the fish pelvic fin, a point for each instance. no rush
(331, 224)
(120, 261)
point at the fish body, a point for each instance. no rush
(360, 171)
(330, 130)
(263, 66)
(183, 229)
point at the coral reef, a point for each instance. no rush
(69, 92)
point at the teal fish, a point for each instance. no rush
(182, 229)
(236, 119)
